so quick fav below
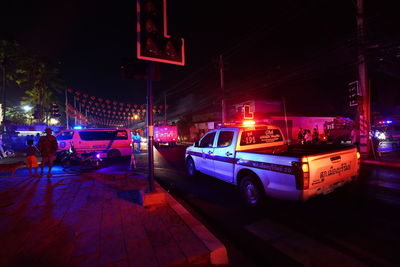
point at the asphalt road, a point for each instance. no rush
(355, 225)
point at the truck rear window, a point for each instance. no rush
(253, 137)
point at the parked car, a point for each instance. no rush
(110, 143)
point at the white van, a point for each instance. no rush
(111, 143)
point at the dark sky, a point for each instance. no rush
(304, 51)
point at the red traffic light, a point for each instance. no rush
(153, 42)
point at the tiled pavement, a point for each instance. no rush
(97, 220)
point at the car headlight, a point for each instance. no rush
(381, 136)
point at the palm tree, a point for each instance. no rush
(43, 83)
(40, 79)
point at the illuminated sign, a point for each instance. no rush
(247, 114)
(153, 42)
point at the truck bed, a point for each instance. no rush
(301, 150)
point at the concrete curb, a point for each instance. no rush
(381, 163)
(218, 253)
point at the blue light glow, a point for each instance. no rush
(78, 127)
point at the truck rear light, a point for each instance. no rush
(302, 173)
(358, 155)
(304, 167)
(306, 175)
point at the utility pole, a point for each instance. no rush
(75, 111)
(223, 104)
(4, 92)
(150, 127)
(165, 107)
(364, 106)
(66, 107)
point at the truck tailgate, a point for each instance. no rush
(328, 171)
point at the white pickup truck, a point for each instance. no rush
(257, 159)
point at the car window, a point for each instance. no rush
(225, 138)
(97, 135)
(121, 135)
(207, 140)
(252, 137)
(65, 136)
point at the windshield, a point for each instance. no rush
(65, 136)
(263, 136)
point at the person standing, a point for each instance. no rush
(47, 146)
(2, 154)
(300, 136)
(31, 160)
(132, 164)
(308, 136)
(315, 136)
(137, 139)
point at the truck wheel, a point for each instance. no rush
(114, 154)
(252, 191)
(190, 167)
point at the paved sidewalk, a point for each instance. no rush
(98, 219)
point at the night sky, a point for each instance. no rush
(304, 51)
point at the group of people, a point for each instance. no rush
(307, 137)
(46, 147)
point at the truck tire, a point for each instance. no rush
(114, 154)
(252, 191)
(190, 167)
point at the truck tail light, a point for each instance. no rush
(302, 174)
(306, 175)
(358, 155)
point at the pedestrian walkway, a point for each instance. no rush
(98, 219)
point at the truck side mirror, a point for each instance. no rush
(196, 144)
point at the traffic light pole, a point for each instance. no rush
(223, 104)
(364, 106)
(66, 108)
(150, 127)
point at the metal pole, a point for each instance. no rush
(364, 107)
(4, 93)
(150, 127)
(165, 107)
(66, 107)
(75, 110)
(221, 72)
(287, 129)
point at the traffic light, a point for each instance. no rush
(153, 42)
(55, 112)
(353, 94)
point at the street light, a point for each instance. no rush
(54, 121)
(27, 108)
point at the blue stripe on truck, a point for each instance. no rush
(248, 163)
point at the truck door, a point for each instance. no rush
(224, 155)
(205, 163)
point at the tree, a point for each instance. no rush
(17, 115)
(42, 82)
(9, 51)
(40, 79)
